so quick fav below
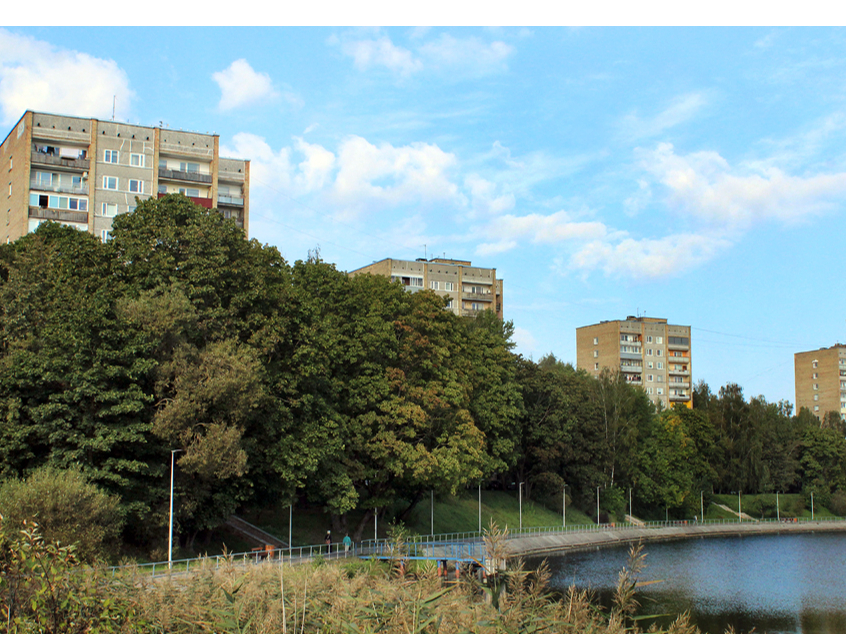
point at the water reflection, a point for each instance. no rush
(774, 583)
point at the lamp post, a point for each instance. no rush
(521, 506)
(739, 509)
(778, 513)
(170, 532)
(564, 507)
(480, 508)
(812, 506)
(597, 506)
(702, 505)
(375, 524)
(290, 524)
(631, 510)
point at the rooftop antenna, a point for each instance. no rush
(114, 103)
(425, 254)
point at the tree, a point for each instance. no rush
(67, 507)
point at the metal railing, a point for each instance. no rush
(464, 546)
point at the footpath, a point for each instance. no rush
(523, 545)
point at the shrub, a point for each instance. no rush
(67, 508)
(838, 502)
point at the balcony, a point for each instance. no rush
(42, 158)
(631, 355)
(230, 200)
(58, 214)
(678, 384)
(485, 297)
(678, 346)
(191, 177)
(81, 190)
(202, 202)
(631, 368)
(679, 372)
(680, 398)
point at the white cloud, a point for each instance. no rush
(682, 109)
(525, 340)
(538, 229)
(384, 174)
(484, 199)
(241, 85)
(267, 167)
(316, 168)
(35, 75)
(649, 258)
(470, 53)
(381, 52)
(705, 185)
(465, 56)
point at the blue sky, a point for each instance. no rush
(697, 174)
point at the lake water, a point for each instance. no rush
(773, 583)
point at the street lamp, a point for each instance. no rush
(739, 509)
(521, 506)
(170, 533)
(597, 506)
(564, 506)
(812, 506)
(778, 513)
(702, 505)
(290, 524)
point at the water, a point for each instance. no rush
(776, 584)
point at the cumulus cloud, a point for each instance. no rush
(240, 85)
(539, 229)
(35, 75)
(316, 167)
(649, 258)
(484, 198)
(705, 185)
(385, 174)
(381, 52)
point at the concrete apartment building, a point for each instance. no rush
(820, 377)
(648, 351)
(470, 289)
(84, 172)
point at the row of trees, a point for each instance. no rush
(278, 381)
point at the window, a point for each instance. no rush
(11, 162)
(110, 156)
(595, 354)
(449, 303)
(476, 306)
(816, 408)
(58, 202)
(110, 182)
(162, 189)
(814, 363)
(816, 397)
(136, 187)
(596, 341)
(649, 352)
(660, 365)
(105, 235)
(415, 281)
(649, 365)
(659, 390)
(816, 386)
(193, 192)
(649, 390)
(678, 341)
(189, 167)
(108, 209)
(659, 339)
(162, 164)
(659, 378)
(131, 208)
(44, 179)
(658, 352)
(434, 285)
(595, 366)
(449, 286)
(649, 339)
(650, 378)
(136, 160)
(815, 375)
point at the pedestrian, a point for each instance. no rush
(328, 541)
(347, 543)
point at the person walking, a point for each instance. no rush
(347, 543)
(328, 541)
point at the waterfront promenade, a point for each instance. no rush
(525, 544)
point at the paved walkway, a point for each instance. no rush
(593, 540)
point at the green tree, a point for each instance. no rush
(68, 509)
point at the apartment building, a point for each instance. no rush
(820, 379)
(469, 289)
(649, 352)
(84, 172)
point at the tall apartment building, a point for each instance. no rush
(84, 172)
(820, 379)
(470, 289)
(648, 351)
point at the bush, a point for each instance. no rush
(67, 508)
(838, 503)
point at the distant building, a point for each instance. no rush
(821, 380)
(649, 352)
(84, 172)
(470, 289)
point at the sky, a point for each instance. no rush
(694, 174)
